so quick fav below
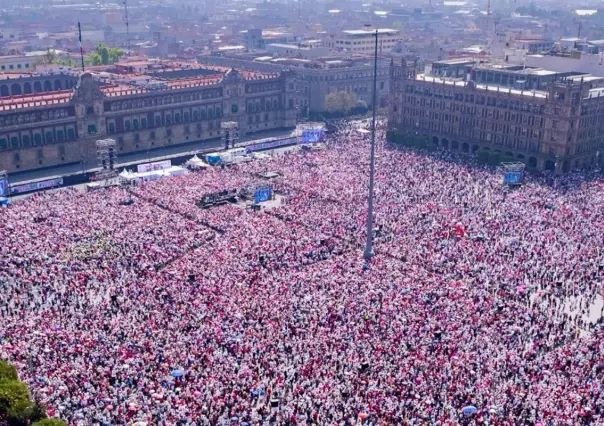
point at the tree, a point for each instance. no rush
(50, 422)
(115, 54)
(341, 102)
(94, 59)
(494, 158)
(16, 406)
(48, 58)
(13, 393)
(104, 55)
(483, 156)
(103, 51)
(7, 371)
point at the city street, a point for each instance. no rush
(142, 157)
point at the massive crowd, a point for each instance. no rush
(483, 305)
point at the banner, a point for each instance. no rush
(159, 165)
(36, 186)
(271, 144)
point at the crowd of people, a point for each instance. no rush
(482, 304)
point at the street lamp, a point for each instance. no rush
(369, 243)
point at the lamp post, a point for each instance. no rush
(368, 254)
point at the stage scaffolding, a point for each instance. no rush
(106, 151)
(230, 134)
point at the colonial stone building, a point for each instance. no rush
(61, 127)
(316, 78)
(558, 126)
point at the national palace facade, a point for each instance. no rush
(48, 121)
(549, 121)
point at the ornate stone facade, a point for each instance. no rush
(559, 129)
(57, 128)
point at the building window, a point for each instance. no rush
(234, 109)
(152, 135)
(37, 139)
(157, 121)
(3, 144)
(91, 129)
(60, 136)
(111, 128)
(127, 125)
(26, 140)
(137, 138)
(187, 129)
(169, 133)
(89, 110)
(14, 142)
(70, 134)
(49, 137)
(135, 124)
(143, 123)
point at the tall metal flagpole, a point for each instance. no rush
(369, 244)
(81, 48)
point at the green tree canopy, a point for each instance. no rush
(16, 406)
(94, 59)
(341, 102)
(7, 371)
(50, 422)
(13, 393)
(115, 54)
(104, 55)
(103, 51)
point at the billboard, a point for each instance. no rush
(311, 136)
(36, 186)
(3, 188)
(158, 165)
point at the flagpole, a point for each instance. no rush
(368, 254)
(81, 48)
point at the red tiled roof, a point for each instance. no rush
(121, 90)
(193, 82)
(8, 103)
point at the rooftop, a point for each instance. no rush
(491, 88)
(34, 100)
(371, 31)
(290, 46)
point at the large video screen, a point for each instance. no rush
(3, 188)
